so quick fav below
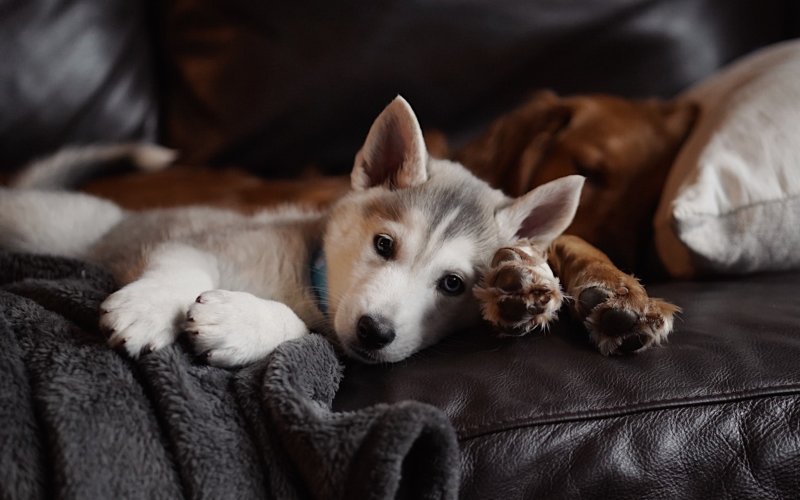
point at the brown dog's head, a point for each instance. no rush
(624, 148)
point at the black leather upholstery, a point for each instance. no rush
(73, 71)
(714, 413)
(277, 85)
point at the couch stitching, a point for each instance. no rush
(476, 430)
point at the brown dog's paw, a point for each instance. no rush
(519, 293)
(624, 319)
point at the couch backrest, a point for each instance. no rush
(73, 71)
(278, 85)
(275, 85)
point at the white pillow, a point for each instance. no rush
(731, 203)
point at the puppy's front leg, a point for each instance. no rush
(234, 328)
(147, 313)
(614, 306)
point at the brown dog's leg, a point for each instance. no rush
(613, 306)
(519, 293)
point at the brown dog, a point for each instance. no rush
(624, 148)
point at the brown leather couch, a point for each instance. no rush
(278, 86)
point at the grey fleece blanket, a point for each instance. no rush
(78, 420)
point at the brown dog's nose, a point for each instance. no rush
(374, 332)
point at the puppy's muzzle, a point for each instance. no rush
(374, 332)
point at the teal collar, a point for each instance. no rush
(319, 280)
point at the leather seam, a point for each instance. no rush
(474, 431)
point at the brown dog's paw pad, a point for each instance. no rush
(512, 309)
(618, 322)
(507, 254)
(625, 322)
(633, 343)
(519, 292)
(510, 279)
(592, 297)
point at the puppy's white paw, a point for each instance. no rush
(236, 328)
(143, 316)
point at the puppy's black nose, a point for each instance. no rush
(374, 332)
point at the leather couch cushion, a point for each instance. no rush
(73, 72)
(278, 85)
(714, 410)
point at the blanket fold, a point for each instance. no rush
(79, 420)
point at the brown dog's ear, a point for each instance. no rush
(544, 213)
(679, 118)
(394, 153)
(508, 153)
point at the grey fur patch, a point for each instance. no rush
(461, 206)
(451, 196)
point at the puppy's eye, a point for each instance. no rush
(452, 284)
(384, 245)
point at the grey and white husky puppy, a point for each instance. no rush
(387, 271)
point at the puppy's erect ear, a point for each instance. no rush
(394, 153)
(544, 213)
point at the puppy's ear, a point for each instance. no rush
(394, 153)
(544, 213)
